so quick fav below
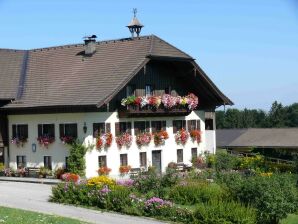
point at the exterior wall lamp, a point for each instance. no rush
(85, 128)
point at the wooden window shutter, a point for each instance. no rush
(153, 126)
(61, 130)
(14, 131)
(189, 125)
(117, 128)
(147, 126)
(108, 127)
(128, 127)
(39, 130)
(164, 125)
(184, 124)
(199, 125)
(174, 126)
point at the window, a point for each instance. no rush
(178, 125)
(69, 130)
(143, 159)
(194, 153)
(141, 127)
(158, 126)
(47, 161)
(46, 130)
(123, 160)
(101, 128)
(168, 90)
(209, 124)
(102, 161)
(193, 125)
(148, 90)
(21, 161)
(130, 90)
(179, 155)
(20, 131)
(122, 127)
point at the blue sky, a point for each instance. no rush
(249, 48)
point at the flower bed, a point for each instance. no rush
(160, 137)
(181, 136)
(124, 140)
(45, 140)
(143, 139)
(104, 140)
(167, 101)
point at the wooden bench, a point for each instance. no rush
(31, 170)
(134, 171)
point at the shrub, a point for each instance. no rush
(148, 181)
(170, 178)
(224, 212)
(157, 207)
(70, 177)
(118, 199)
(101, 181)
(225, 161)
(76, 160)
(255, 162)
(196, 192)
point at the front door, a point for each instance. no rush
(156, 160)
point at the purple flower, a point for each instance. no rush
(125, 182)
(105, 190)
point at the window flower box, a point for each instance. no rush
(124, 140)
(104, 170)
(45, 140)
(18, 141)
(124, 170)
(160, 137)
(104, 141)
(181, 136)
(67, 139)
(143, 139)
(196, 135)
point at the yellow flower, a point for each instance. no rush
(101, 180)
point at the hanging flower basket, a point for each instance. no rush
(181, 136)
(67, 139)
(104, 170)
(45, 140)
(160, 137)
(195, 135)
(104, 141)
(18, 141)
(143, 139)
(124, 140)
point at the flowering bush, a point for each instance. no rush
(160, 137)
(195, 136)
(124, 169)
(168, 101)
(154, 206)
(67, 139)
(181, 136)
(19, 141)
(70, 177)
(104, 170)
(104, 140)
(143, 139)
(125, 182)
(45, 140)
(124, 140)
(101, 181)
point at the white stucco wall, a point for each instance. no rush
(59, 151)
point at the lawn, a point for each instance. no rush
(12, 216)
(291, 219)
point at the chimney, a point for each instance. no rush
(90, 45)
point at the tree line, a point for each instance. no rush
(278, 116)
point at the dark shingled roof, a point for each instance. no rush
(61, 76)
(258, 137)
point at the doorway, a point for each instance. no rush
(156, 160)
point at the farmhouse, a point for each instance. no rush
(136, 101)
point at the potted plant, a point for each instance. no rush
(195, 136)
(45, 140)
(59, 172)
(181, 136)
(104, 170)
(124, 170)
(21, 172)
(143, 139)
(104, 140)
(18, 141)
(44, 172)
(67, 139)
(124, 140)
(2, 169)
(160, 137)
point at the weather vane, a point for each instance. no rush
(134, 10)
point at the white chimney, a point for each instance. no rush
(90, 45)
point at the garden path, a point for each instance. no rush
(34, 197)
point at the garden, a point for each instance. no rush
(219, 188)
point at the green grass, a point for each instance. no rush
(291, 219)
(13, 216)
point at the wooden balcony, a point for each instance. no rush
(148, 111)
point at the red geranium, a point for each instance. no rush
(104, 170)
(195, 135)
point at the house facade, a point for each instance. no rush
(136, 101)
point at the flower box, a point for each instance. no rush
(45, 140)
(104, 141)
(181, 136)
(67, 139)
(160, 137)
(124, 169)
(124, 140)
(18, 141)
(104, 170)
(195, 135)
(143, 139)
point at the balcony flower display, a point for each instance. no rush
(124, 140)
(181, 136)
(104, 140)
(45, 140)
(160, 137)
(190, 101)
(104, 170)
(143, 139)
(124, 169)
(67, 139)
(18, 141)
(195, 135)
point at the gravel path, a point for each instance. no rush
(34, 197)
